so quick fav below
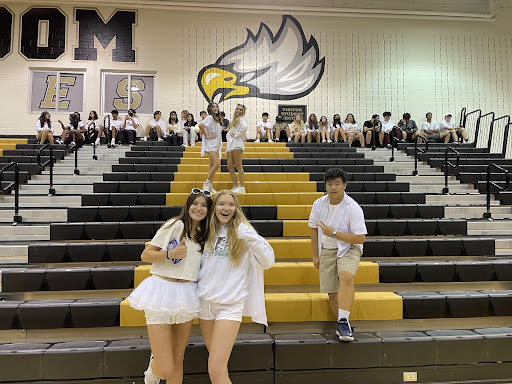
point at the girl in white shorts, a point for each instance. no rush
(230, 280)
(235, 147)
(211, 130)
(169, 297)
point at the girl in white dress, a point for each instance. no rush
(237, 129)
(211, 131)
(169, 296)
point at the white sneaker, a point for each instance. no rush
(270, 141)
(257, 141)
(145, 138)
(113, 143)
(72, 145)
(184, 145)
(329, 141)
(207, 186)
(59, 141)
(160, 139)
(149, 376)
(241, 190)
(324, 141)
(235, 189)
(97, 142)
(193, 144)
(289, 140)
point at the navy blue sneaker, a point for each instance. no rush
(344, 331)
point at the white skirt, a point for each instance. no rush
(177, 301)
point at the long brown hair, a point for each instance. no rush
(236, 246)
(202, 230)
(217, 117)
(42, 119)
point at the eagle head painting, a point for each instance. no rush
(288, 66)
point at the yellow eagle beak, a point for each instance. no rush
(216, 78)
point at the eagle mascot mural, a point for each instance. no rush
(288, 66)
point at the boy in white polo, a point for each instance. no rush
(338, 231)
(264, 129)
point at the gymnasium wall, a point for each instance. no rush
(371, 65)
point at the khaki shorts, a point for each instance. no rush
(331, 266)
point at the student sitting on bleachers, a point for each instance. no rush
(408, 127)
(311, 129)
(297, 129)
(115, 126)
(71, 131)
(94, 121)
(430, 130)
(281, 126)
(352, 130)
(173, 131)
(371, 129)
(44, 128)
(336, 129)
(189, 131)
(323, 125)
(449, 126)
(128, 133)
(156, 124)
(387, 127)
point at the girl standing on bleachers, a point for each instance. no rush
(235, 147)
(44, 128)
(230, 281)
(169, 297)
(211, 131)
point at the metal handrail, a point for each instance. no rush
(392, 141)
(489, 141)
(487, 214)
(107, 127)
(51, 161)
(477, 129)
(417, 150)
(449, 164)
(76, 171)
(91, 132)
(462, 116)
(16, 184)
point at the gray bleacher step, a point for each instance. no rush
(35, 215)
(13, 250)
(438, 188)
(70, 177)
(38, 200)
(427, 179)
(476, 212)
(456, 199)
(490, 228)
(69, 170)
(60, 189)
(503, 243)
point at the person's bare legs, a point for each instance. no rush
(350, 138)
(214, 164)
(179, 339)
(237, 159)
(231, 168)
(161, 346)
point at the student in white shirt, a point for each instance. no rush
(155, 124)
(449, 126)
(297, 129)
(352, 130)
(189, 131)
(311, 129)
(387, 127)
(94, 121)
(184, 115)
(235, 146)
(337, 129)
(338, 231)
(430, 130)
(264, 129)
(173, 131)
(115, 126)
(230, 281)
(169, 296)
(129, 129)
(44, 128)
(325, 130)
(211, 131)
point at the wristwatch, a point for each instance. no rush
(333, 234)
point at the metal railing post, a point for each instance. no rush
(76, 171)
(447, 165)
(93, 135)
(109, 132)
(16, 184)
(40, 152)
(418, 150)
(487, 215)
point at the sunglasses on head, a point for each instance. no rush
(197, 191)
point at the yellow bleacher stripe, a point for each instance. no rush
(304, 307)
(13, 141)
(251, 186)
(296, 228)
(194, 176)
(297, 212)
(7, 146)
(294, 198)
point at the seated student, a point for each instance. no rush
(203, 115)
(128, 133)
(311, 129)
(297, 129)
(409, 128)
(371, 129)
(325, 130)
(449, 126)
(336, 129)
(173, 131)
(183, 119)
(352, 130)
(280, 126)
(189, 131)
(430, 130)
(264, 129)
(386, 128)
(156, 124)
(115, 126)
(81, 130)
(94, 121)
(44, 128)
(73, 131)
(225, 123)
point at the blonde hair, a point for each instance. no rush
(236, 245)
(297, 127)
(236, 119)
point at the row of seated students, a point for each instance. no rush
(373, 130)
(186, 130)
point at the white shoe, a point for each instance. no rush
(235, 189)
(59, 141)
(241, 190)
(72, 145)
(193, 144)
(160, 139)
(289, 140)
(184, 145)
(145, 138)
(149, 376)
(324, 141)
(97, 142)
(113, 143)
(257, 141)
(329, 141)
(207, 186)
(270, 141)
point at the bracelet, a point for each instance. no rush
(167, 254)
